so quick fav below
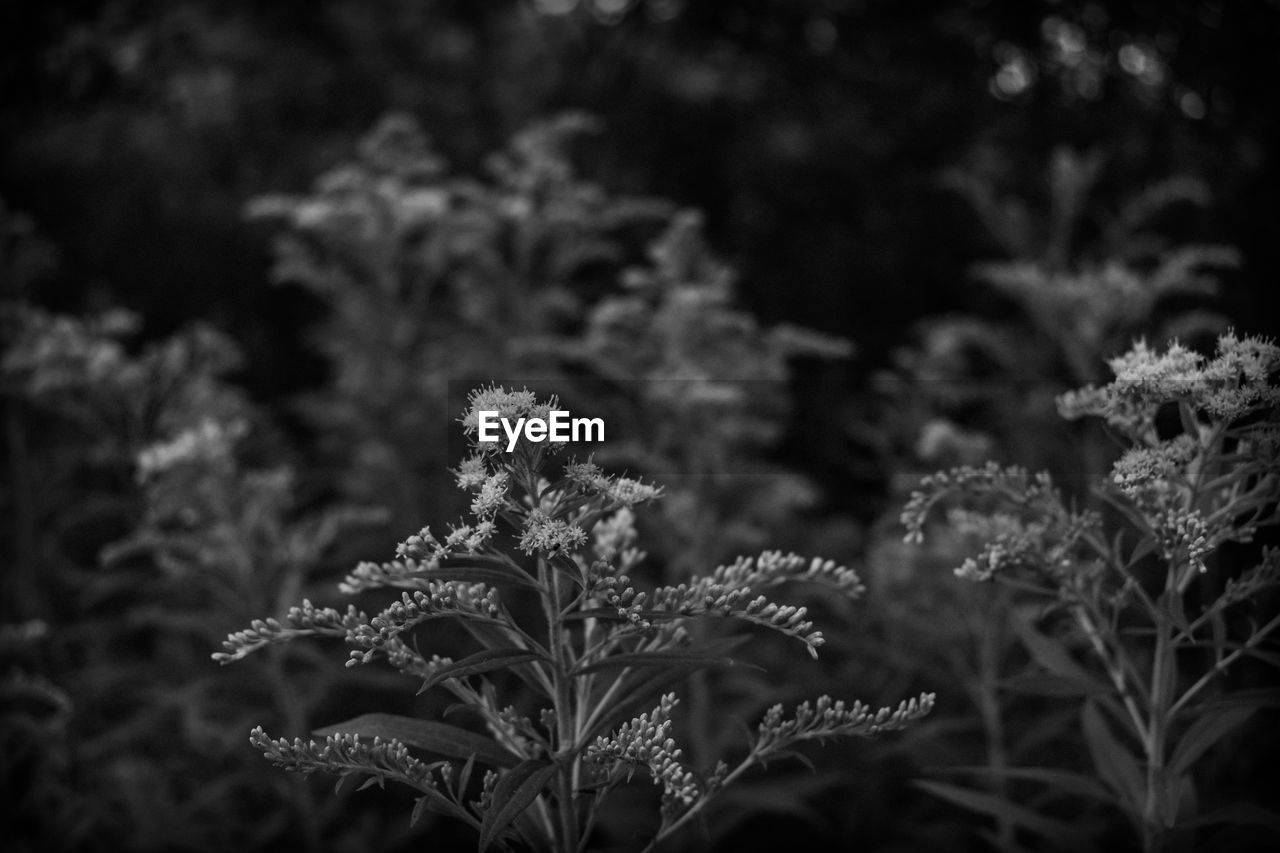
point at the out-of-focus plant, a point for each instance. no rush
(704, 390)
(1143, 613)
(532, 271)
(229, 542)
(1079, 282)
(429, 277)
(136, 535)
(535, 273)
(592, 655)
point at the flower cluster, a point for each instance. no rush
(1142, 468)
(1262, 576)
(406, 574)
(730, 591)
(1011, 483)
(550, 535)
(306, 620)
(343, 754)
(615, 535)
(491, 497)
(1010, 542)
(603, 641)
(209, 442)
(439, 598)
(645, 741)
(1227, 387)
(826, 718)
(617, 491)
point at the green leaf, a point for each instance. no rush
(1113, 760)
(440, 738)
(514, 793)
(1059, 832)
(1209, 728)
(484, 661)
(691, 659)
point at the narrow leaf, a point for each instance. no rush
(1209, 728)
(1113, 760)
(514, 793)
(440, 738)
(496, 637)
(999, 808)
(1065, 781)
(1269, 658)
(419, 809)
(1047, 684)
(484, 661)
(676, 658)
(1048, 652)
(1239, 813)
(478, 574)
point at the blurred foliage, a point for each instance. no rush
(873, 170)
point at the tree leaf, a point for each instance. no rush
(483, 661)
(1208, 729)
(514, 793)
(440, 738)
(1113, 760)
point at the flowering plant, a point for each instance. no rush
(1143, 586)
(598, 655)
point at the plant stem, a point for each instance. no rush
(1163, 681)
(566, 736)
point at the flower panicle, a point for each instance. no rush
(825, 718)
(440, 598)
(405, 574)
(548, 535)
(1227, 387)
(1012, 483)
(1264, 575)
(343, 754)
(626, 492)
(645, 741)
(731, 591)
(304, 620)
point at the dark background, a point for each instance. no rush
(813, 135)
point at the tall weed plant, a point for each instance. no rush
(597, 657)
